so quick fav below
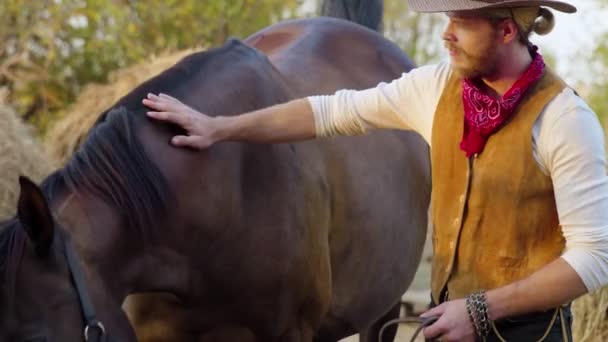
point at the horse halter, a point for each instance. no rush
(94, 331)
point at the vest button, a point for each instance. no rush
(461, 199)
(456, 222)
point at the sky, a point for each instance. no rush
(574, 38)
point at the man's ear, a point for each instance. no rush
(509, 31)
(35, 216)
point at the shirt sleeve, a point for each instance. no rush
(571, 146)
(408, 102)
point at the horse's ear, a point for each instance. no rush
(35, 216)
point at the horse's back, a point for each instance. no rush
(379, 184)
(321, 55)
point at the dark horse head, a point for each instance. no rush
(43, 289)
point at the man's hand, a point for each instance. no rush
(202, 130)
(453, 323)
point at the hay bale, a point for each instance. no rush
(590, 317)
(20, 154)
(65, 135)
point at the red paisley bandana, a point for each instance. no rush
(484, 115)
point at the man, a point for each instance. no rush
(520, 197)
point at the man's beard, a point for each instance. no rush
(481, 64)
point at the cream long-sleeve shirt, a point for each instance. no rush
(567, 143)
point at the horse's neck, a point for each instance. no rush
(114, 255)
(106, 251)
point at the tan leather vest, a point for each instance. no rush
(494, 214)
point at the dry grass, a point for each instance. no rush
(20, 154)
(65, 135)
(590, 317)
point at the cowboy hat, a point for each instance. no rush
(468, 5)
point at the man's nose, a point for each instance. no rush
(448, 33)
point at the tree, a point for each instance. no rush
(417, 33)
(595, 91)
(598, 97)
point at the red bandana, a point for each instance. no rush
(484, 115)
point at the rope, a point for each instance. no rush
(424, 322)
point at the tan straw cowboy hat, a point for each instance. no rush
(468, 5)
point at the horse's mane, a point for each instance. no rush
(8, 238)
(112, 162)
(5, 234)
(113, 165)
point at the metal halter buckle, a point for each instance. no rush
(95, 324)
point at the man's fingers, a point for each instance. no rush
(435, 311)
(163, 96)
(160, 105)
(176, 118)
(169, 97)
(168, 109)
(164, 104)
(193, 141)
(153, 104)
(434, 330)
(158, 115)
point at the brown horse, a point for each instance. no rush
(286, 242)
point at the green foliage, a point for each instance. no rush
(598, 98)
(417, 33)
(597, 94)
(51, 48)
